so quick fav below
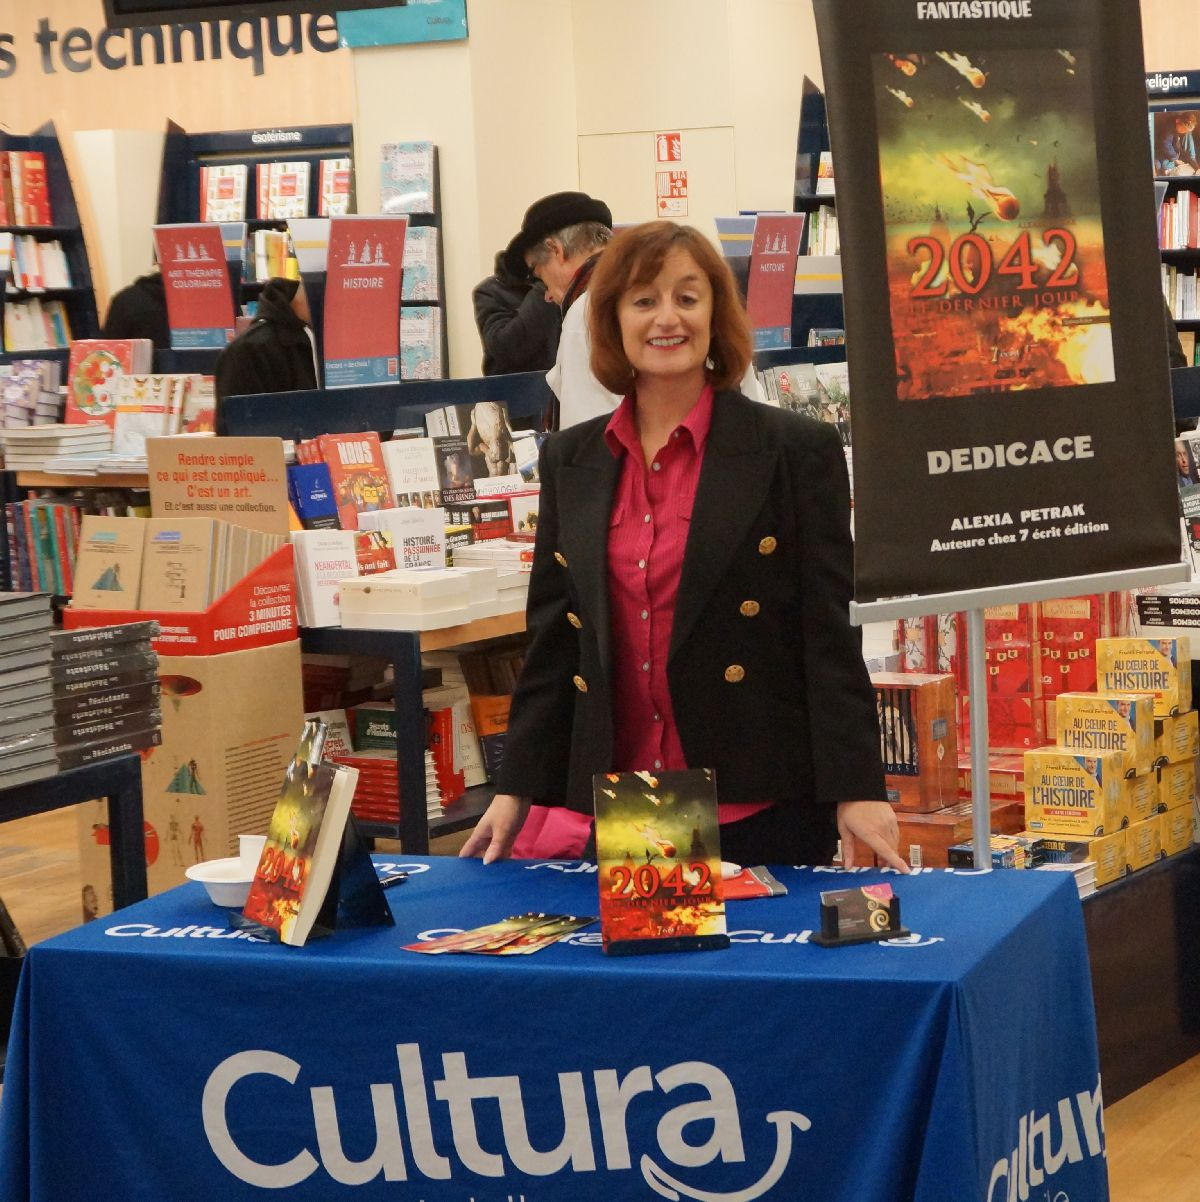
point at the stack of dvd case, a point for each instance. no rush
(26, 712)
(105, 692)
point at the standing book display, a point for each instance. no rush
(315, 873)
(659, 862)
(979, 195)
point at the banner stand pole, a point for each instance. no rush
(981, 793)
(973, 602)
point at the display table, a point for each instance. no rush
(158, 1053)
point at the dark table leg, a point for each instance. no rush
(127, 845)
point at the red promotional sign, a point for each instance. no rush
(672, 189)
(668, 147)
(773, 278)
(362, 300)
(196, 280)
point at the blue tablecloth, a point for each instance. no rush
(159, 1054)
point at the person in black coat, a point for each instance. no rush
(276, 353)
(139, 310)
(517, 325)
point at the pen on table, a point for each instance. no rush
(398, 879)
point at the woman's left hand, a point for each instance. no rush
(872, 823)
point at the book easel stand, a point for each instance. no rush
(974, 602)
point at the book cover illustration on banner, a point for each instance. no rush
(995, 252)
(659, 860)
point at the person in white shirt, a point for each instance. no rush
(559, 241)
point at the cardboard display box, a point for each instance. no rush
(230, 724)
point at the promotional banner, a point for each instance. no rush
(1012, 410)
(196, 280)
(362, 300)
(773, 278)
(413, 21)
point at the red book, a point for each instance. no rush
(374, 552)
(93, 370)
(357, 474)
(441, 742)
(63, 543)
(35, 195)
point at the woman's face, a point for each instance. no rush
(666, 324)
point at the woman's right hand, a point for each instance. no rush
(497, 830)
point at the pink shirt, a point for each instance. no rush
(647, 534)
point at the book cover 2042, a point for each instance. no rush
(659, 861)
(995, 251)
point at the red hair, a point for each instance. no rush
(635, 256)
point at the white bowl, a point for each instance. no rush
(227, 881)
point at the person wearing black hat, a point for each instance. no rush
(276, 353)
(559, 241)
(518, 329)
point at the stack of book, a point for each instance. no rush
(420, 598)
(164, 564)
(29, 448)
(26, 707)
(377, 797)
(817, 390)
(1085, 874)
(30, 390)
(105, 692)
(272, 258)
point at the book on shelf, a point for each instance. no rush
(179, 564)
(373, 551)
(356, 473)
(311, 490)
(272, 259)
(406, 182)
(454, 469)
(147, 406)
(282, 189)
(823, 236)
(36, 325)
(418, 535)
(94, 368)
(324, 558)
(422, 264)
(108, 567)
(223, 191)
(37, 265)
(487, 428)
(25, 191)
(333, 187)
(825, 178)
(412, 473)
(421, 343)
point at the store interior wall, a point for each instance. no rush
(544, 95)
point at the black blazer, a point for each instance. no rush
(766, 673)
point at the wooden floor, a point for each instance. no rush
(1153, 1135)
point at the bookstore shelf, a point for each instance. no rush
(79, 300)
(99, 480)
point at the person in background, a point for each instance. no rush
(559, 241)
(689, 598)
(276, 353)
(518, 329)
(139, 310)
